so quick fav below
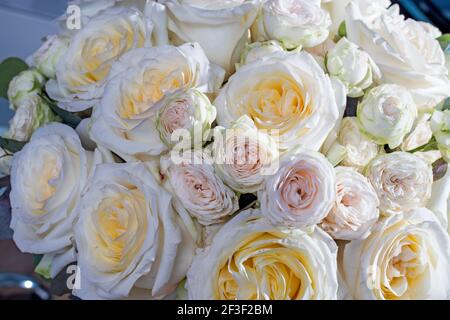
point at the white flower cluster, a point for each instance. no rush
(239, 149)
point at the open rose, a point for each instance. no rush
(125, 120)
(292, 22)
(407, 256)
(130, 240)
(402, 181)
(287, 94)
(250, 259)
(302, 192)
(243, 156)
(356, 208)
(198, 189)
(47, 179)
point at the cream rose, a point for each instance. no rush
(220, 27)
(243, 155)
(129, 238)
(81, 72)
(302, 192)
(387, 114)
(285, 93)
(258, 50)
(292, 22)
(250, 259)
(352, 66)
(125, 120)
(359, 149)
(188, 110)
(407, 256)
(402, 181)
(198, 189)
(405, 51)
(420, 135)
(47, 179)
(356, 208)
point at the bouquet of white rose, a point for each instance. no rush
(234, 149)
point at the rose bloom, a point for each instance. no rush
(302, 192)
(81, 72)
(258, 50)
(356, 208)
(407, 257)
(250, 259)
(287, 94)
(198, 189)
(220, 27)
(130, 241)
(244, 155)
(47, 179)
(125, 120)
(387, 114)
(402, 181)
(47, 57)
(440, 126)
(404, 50)
(292, 22)
(359, 149)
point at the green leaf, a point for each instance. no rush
(342, 32)
(10, 68)
(67, 117)
(444, 40)
(11, 145)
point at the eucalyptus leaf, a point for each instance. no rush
(67, 117)
(11, 145)
(10, 68)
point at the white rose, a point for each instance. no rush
(302, 192)
(405, 52)
(292, 22)
(420, 135)
(258, 50)
(198, 189)
(287, 93)
(387, 114)
(356, 208)
(125, 119)
(32, 114)
(190, 110)
(371, 9)
(250, 259)
(25, 85)
(81, 72)
(5, 162)
(129, 238)
(220, 27)
(402, 181)
(439, 199)
(407, 256)
(47, 179)
(352, 66)
(359, 149)
(243, 155)
(440, 125)
(47, 57)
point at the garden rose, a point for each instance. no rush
(292, 22)
(407, 256)
(47, 57)
(250, 259)
(287, 94)
(356, 208)
(129, 238)
(25, 86)
(402, 181)
(302, 192)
